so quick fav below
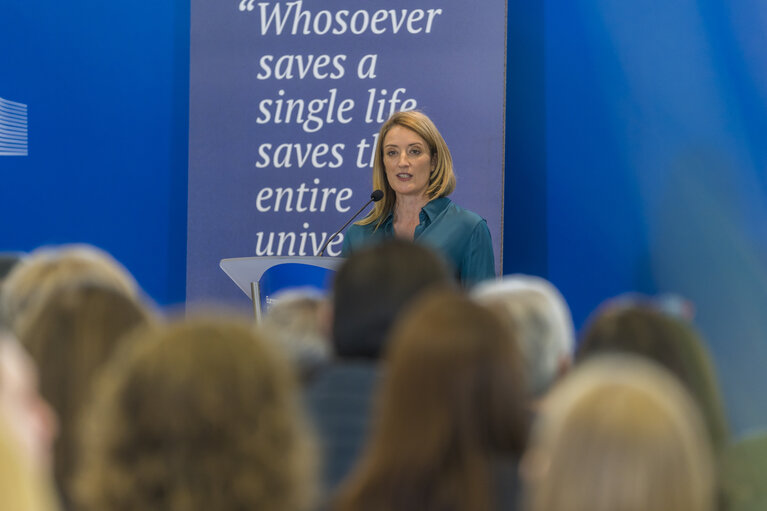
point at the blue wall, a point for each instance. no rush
(107, 86)
(656, 168)
(634, 153)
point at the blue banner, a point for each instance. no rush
(286, 99)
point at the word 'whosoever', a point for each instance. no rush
(294, 20)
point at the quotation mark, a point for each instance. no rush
(247, 5)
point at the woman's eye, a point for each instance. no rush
(415, 151)
(391, 153)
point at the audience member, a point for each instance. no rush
(296, 322)
(370, 290)
(743, 473)
(538, 314)
(452, 414)
(28, 416)
(641, 328)
(50, 267)
(71, 333)
(22, 487)
(27, 430)
(619, 434)
(197, 415)
(7, 261)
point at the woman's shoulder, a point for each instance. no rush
(461, 214)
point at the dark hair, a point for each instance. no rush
(452, 403)
(372, 287)
(642, 329)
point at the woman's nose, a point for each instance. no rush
(403, 160)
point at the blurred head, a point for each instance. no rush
(641, 329)
(70, 334)
(442, 178)
(7, 261)
(50, 267)
(22, 487)
(541, 320)
(197, 415)
(373, 286)
(296, 322)
(619, 434)
(28, 416)
(452, 401)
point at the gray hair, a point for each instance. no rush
(293, 321)
(541, 319)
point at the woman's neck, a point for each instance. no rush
(409, 207)
(407, 211)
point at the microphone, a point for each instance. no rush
(374, 197)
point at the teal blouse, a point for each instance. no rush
(459, 235)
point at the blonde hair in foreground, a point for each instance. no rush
(22, 488)
(619, 434)
(49, 268)
(442, 178)
(198, 415)
(71, 333)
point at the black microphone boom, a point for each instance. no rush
(374, 197)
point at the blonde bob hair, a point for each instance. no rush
(442, 178)
(619, 434)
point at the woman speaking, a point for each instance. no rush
(414, 169)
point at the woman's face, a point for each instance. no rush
(407, 162)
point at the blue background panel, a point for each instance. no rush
(635, 154)
(107, 85)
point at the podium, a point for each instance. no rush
(260, 277)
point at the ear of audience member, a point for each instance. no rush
(22, 487)
(294, 322)
(540, 317)
(373, 286)
(201, 414)
(71, 333)
(641, 329)
(619, 433)
(22, 409)
(50, 267)
(370, 290)
(451, 410)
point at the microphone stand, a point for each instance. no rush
(374, 197)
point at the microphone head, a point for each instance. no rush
(376, 195)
